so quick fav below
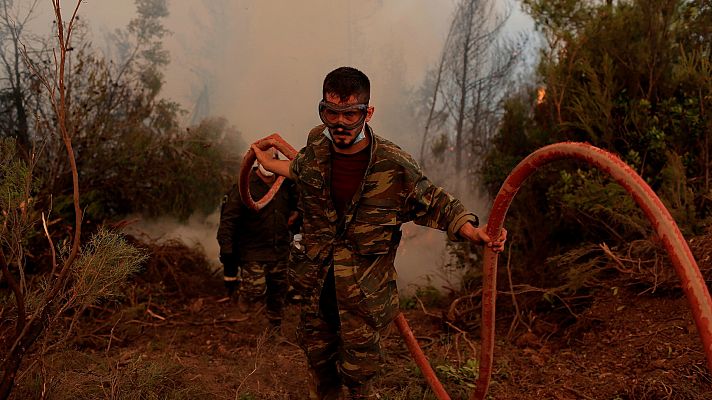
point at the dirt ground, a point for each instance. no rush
(197, 345)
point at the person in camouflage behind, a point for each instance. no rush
(257, 245)
(355, 190)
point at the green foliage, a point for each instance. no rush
(678, 196)
(121, 136)
(104, 264)
(408, 302)
(464, 375)
(176, 174)
(429, 295)
(632, 77)
(147, 31)
(17, 214)
(15, 177)
(131, 152)
(560, 17)
(513, 142)
(597, 205)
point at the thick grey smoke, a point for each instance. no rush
(263, 61)
(260, 64)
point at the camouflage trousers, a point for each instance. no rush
(340, 347)
(265, 281)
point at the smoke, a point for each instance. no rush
(199, 231)
(263, 62)
(420, 260)
(260, 64)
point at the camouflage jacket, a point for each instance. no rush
(362, 245)
(256, 236)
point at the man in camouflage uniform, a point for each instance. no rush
(355, 190)
(257, 244)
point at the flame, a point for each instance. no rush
(540, 94)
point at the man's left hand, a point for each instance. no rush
(479, 235)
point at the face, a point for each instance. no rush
(340, 119)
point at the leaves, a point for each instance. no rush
(103, 265)
(633, 78)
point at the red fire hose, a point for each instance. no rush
(692, 282)
(243, 182)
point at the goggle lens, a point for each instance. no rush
(349, 116)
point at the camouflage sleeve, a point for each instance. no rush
(432, 206)
(295, 166)
(229, 217)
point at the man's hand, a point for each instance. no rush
(261, 152)
(479, 235)
(279, 167)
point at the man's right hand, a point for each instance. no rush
(279, 167)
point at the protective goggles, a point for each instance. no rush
(347, 117)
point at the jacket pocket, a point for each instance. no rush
(302, 272)
(373, 228)
(376, 279)
(380, 306)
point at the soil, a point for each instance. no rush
(197, 344)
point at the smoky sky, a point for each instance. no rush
(265, 62)
(260, 63)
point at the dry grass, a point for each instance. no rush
(624, 346)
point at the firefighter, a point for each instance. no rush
(355, 190)
(254, 245)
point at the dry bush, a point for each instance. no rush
(176, 268)
(69, 375)
(106, 314)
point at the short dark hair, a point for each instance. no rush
(346, 82)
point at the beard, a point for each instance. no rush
(345, 134)
(343, 145)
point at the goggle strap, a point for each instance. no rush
(351, 107)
